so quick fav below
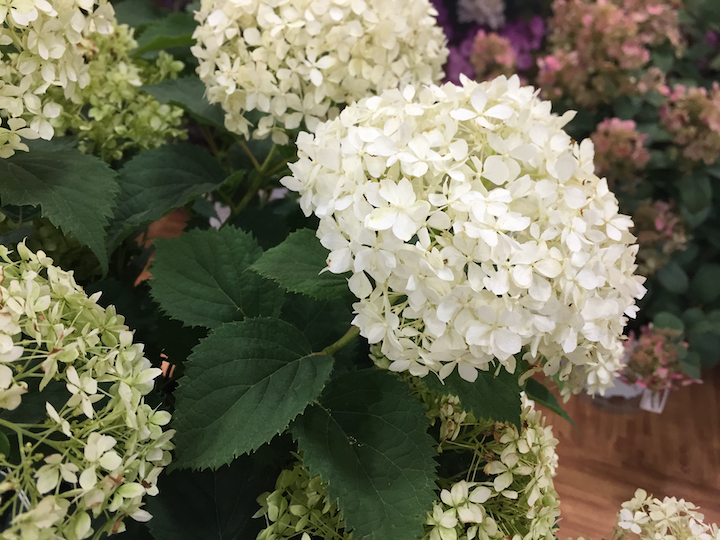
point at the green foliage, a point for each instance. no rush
(210, 505)
(188, 93)
(136, 13)
(75, 192)
(706, 283)
(665, 319)
(489, 397)
(296, 265)
(540, 394)
(243, 385)
(157, 181)
(673, 278)
(175, 30)
(367, 440)
(202, 278)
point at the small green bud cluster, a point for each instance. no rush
(508, 491)
(112, 114)
(300, 508)
(85, 447)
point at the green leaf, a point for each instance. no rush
(695, 192)
(175, 30)
(136, 13)
(707, 345)
(540, 394)
(673, 278)
(210, 505)
(665, 319)
(489, 397)
(75, 191)
(157, 181)
(367, 439)
(691, 364)
(296, 265)
(706, 283)
(202, 278)
(188, 93)
(243, 385)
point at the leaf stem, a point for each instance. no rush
(36, 436)
(256, 183)
(351, 334)
(209, 140)
(249, 153)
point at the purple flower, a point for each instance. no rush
(525, 37)
(458, 63)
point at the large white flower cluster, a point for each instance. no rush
(41, 47)
(72, 387)
(296, 60)
(475, 229)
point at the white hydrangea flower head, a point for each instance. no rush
(296, 61)
(101, 448)
(42, 47)
(475, 230)
(490, 13)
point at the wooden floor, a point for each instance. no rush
(676, 453)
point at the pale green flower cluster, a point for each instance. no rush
(300, 507)
(41, 48)
(509, 490)
(87, 446)
(112, 114)
(667, 519)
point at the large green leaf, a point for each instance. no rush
(706, 283)
(188, 93)
(202, 278)
(489, 397)
(367, 439)
(156, 181)
(210, 505)
(673, 278)
(296, 265)
(695, 191)
(243, 385)
(75, 191)
(175, 30)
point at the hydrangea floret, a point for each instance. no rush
(653, 359)
(492, 55)
(692, 118)
(514, 466)
(297, 61)
(42, 48)
(661, 231)
(490, 13)
(112, 114)
(475, 229)
(601, 50)
(667, 519)
(620, 152)
(97, 448)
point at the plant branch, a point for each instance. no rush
(249, 153)
(351, 334)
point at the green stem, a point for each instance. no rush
(256, 184)
(249, 153)
(351, 334)
(205, 132)
(36, 436)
